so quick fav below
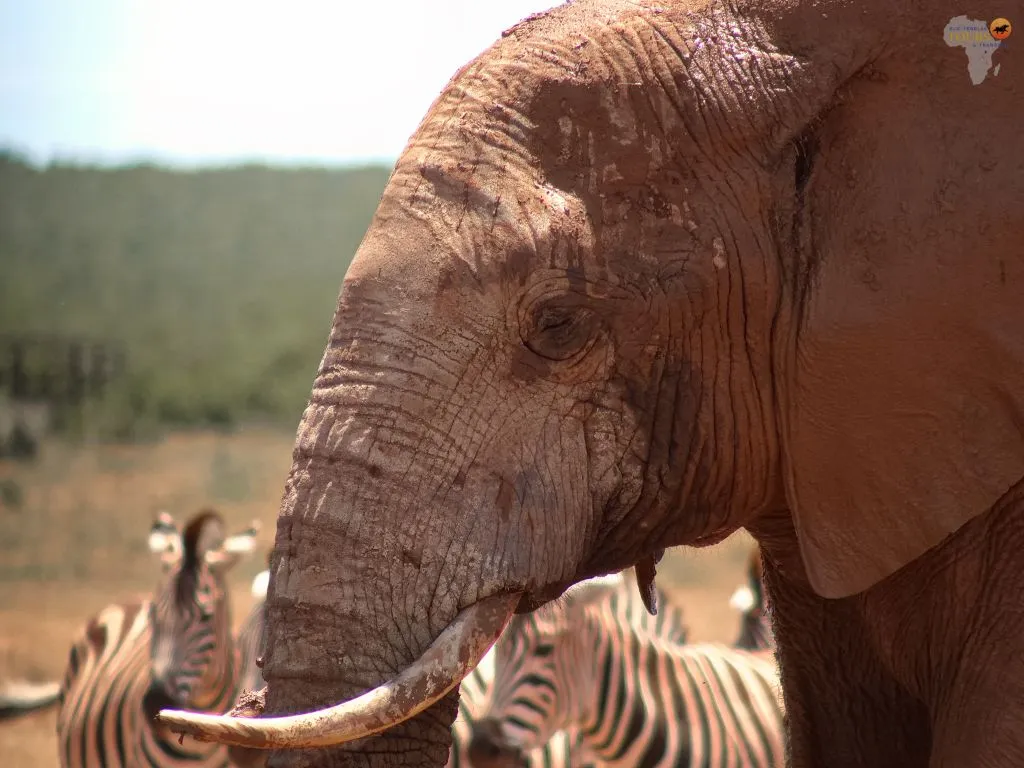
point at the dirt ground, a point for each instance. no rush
(73, 529)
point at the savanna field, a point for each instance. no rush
(73, 527)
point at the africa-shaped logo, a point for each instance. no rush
(1000, 28)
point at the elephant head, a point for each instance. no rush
(635, 282)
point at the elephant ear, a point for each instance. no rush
(904, 410)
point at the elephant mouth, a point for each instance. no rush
(715, 537)
(452, 656)
(531, 600)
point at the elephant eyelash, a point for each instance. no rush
(561, 333)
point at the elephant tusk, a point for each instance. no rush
(452, 656)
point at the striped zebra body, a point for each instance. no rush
(249, 641)
(621, 604)
(633, 698)
(175, 649)
(250, 637)
(103, 718)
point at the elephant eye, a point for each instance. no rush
(561, 333)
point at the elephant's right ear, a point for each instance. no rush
(903, 410)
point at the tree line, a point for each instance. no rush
(219, 284)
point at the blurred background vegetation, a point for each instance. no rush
(220, 283)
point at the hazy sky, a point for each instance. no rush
(196, 81)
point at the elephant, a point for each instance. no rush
(648, 273)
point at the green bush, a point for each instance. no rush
(220, 283)
(11, 494)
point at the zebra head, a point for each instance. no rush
(191, 651)
(536, 690)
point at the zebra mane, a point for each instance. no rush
(199, 536)
(203, 532)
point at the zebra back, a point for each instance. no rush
(625, 605)
(249, 641)
(250, 637)
(173, 650)
(631, 697)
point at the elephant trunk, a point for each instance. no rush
(364, 607)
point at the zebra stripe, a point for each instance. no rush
(621, 604)
(634, 699)
(473, 692)
(176, 649)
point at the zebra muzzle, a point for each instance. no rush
(489, 748)
(156, 699)
(452, 656)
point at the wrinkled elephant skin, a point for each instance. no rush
(651, 272)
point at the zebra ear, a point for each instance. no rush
(260, 584)
(234, 548)
(742, 599)
(165, 539)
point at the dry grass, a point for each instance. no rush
(75, 540)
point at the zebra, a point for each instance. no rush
(249, 640)
(19, 697)
(633, 698)
(622, 604)
(473, 695)
(756, 631)
(174, 649)
(250, 636)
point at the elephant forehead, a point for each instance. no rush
(497, 194)
(446, 226)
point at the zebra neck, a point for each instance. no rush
(601, 683)
(224, 679)
(756, 631)
(625, 724)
